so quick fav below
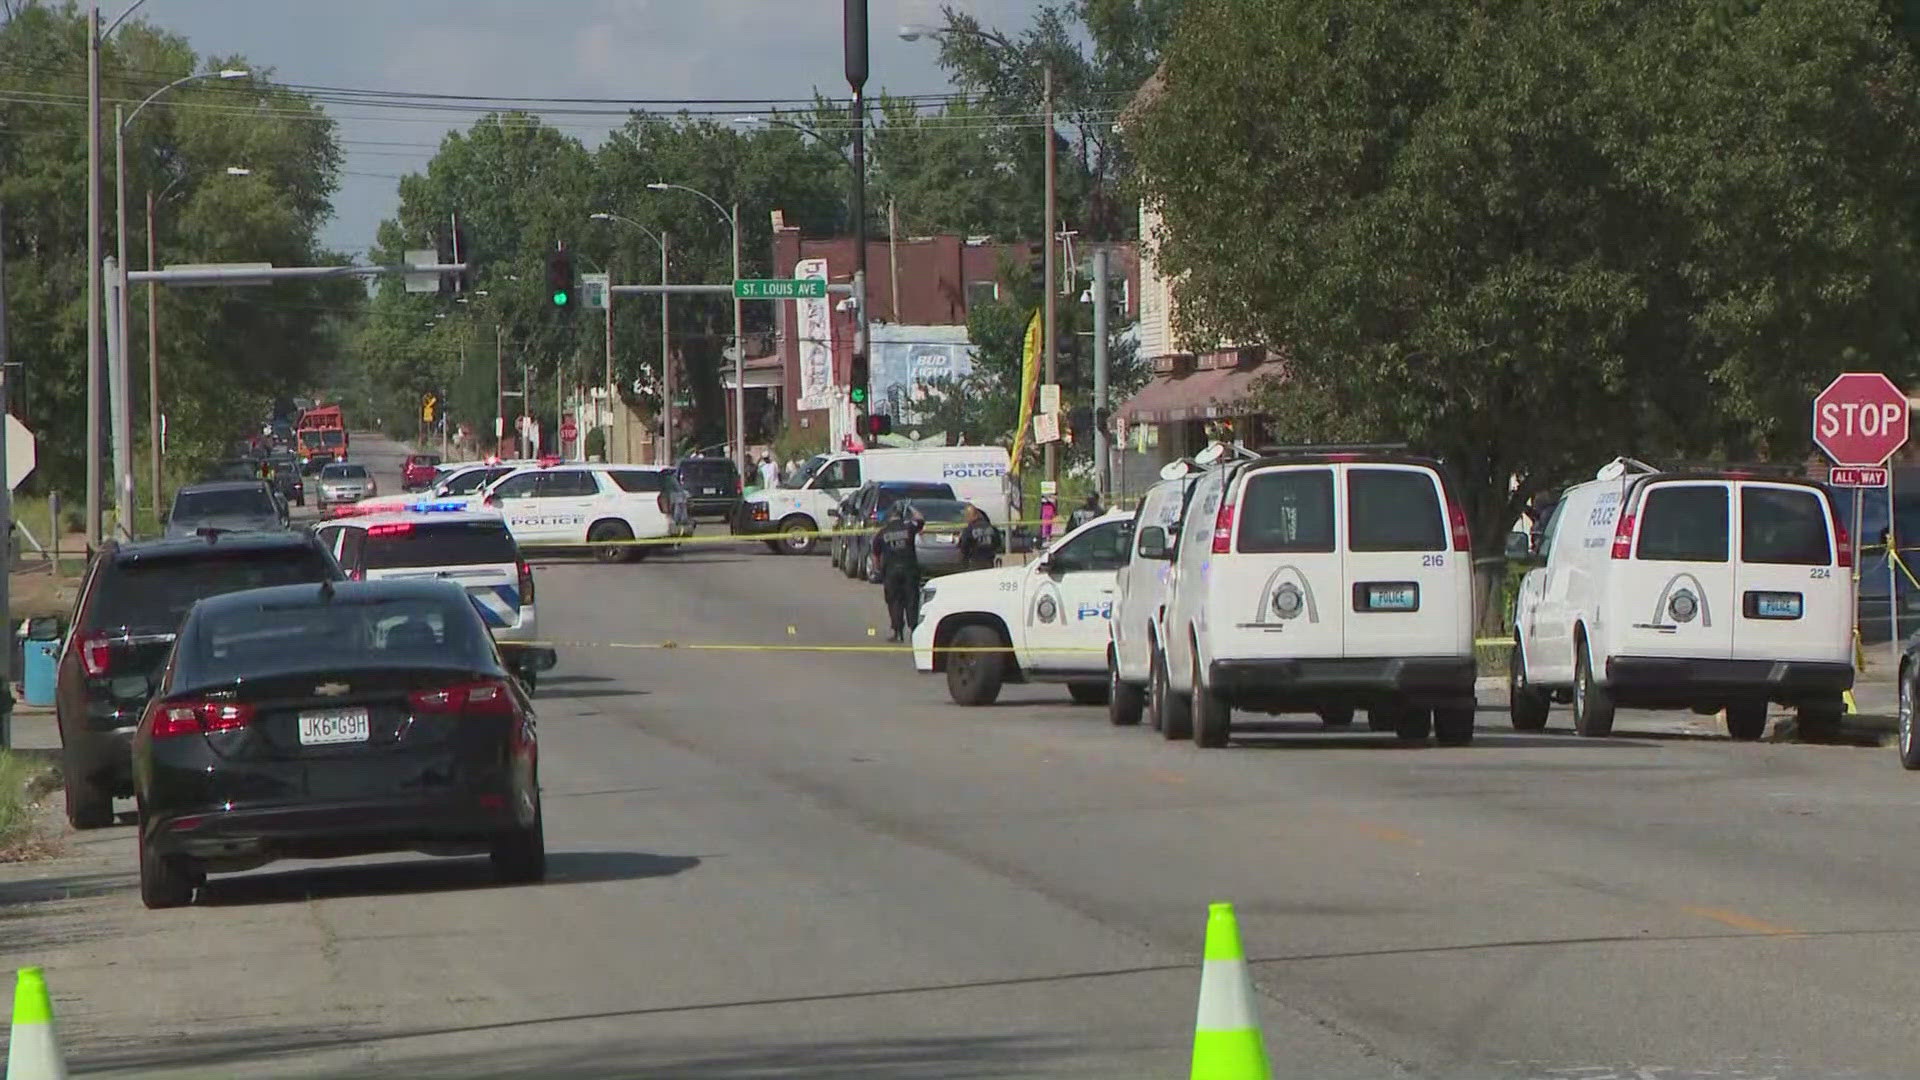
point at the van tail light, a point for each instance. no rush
(357, 574)
(526, 582)
(1842, 540)
(175, 718)
(487, 697)
(665, 504)
(96, 653)
(1223, 528)
(1623, 537)
(1457, 521)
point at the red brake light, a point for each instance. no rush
(1223, 528)
(196, 717)
(392, 528)
(1623, 537)
(488, 697)
(1842, 540)
(1457, 521)
(526, 583)
(96, 653)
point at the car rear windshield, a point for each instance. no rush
(643, 480)
(156, 593)
(707, 471)
(447, 543)
(1394, 510)
(256, 641)
(1287, 510)
(234, 502)
(1783, 525)
(1684, 523)
(941, 511)
(893, 493)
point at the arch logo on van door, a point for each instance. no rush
(1681, 599)
(1285, 597)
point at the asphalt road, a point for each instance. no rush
(780, 863)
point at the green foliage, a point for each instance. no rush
(1656, 225)
(799, 444)
(224, 353)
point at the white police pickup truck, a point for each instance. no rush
(1042, 622)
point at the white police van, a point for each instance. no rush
(1706, 589)
(1318, 580)
(446, 541)
(1142, 586)
(793, 514)
(603, 507)
(1042, 622)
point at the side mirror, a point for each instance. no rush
(1153, 542)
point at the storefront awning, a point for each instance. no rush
(1199, 395)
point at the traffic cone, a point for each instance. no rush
(33, 1053)
(1226, 1035)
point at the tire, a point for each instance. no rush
(1212, 717)
(1087, 693)
(608, 535)
(530, 680)
(1413, 725)
(1746, 720)
(166, 881)
(870, 571)
(1909, 742)
(1380, 720)
(1453, 726)
(1125, 702)
(796, 536)
(1172, 716)
(1526, 707)
(974, 678)
(1341, 717)
(1592, 703)
(89, 803)
(1820, 723)
(520, 855)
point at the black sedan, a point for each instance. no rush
(309, 722)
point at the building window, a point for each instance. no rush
(982, 292)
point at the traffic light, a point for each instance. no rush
(879, 424)
(857, 378)
(560, 283)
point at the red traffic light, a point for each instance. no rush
(879, 424)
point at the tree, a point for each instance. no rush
(1655, 225)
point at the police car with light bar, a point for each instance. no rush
(446, 541)
(603, 507)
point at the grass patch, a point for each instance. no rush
(1492, 659)
(24, 777)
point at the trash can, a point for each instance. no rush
(38, 673)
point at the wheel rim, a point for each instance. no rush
(796, 536)
(1580, 691)
(1906, 717)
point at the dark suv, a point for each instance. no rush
(713, 485)
(133, 600)
(861, 515)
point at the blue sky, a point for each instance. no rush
(545, 48)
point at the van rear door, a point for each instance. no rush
(1403, 586)
(1792, 598)
(1277, 590)
(1675, 596)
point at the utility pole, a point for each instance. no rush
(499, 389)
(1100, 454)
(153, 360)
(6, 513)
(1048, 274)
(606, 448)
(739, 359)
(854, 24)
(666, 365)
(117, 383)
(93, 276)
(893, 258)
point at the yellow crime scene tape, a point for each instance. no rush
(776, 535)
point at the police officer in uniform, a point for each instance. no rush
(900, 567)
(976, 540)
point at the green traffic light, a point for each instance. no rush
(859, 395)
(560, 299)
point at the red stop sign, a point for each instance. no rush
(1860, 419)
(568, 430)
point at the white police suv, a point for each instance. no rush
(604, 507)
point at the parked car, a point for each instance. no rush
(418, 471)
(325, 721)
(131, 603)
(854, 529)
(225, 505)
(713, 485)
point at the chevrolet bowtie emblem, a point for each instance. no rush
(332, 689)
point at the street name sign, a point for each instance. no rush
(779, 288)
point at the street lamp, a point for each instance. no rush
(739, 338)
(153, 329)
(1048, 273)
(666, 354)
(119, 393)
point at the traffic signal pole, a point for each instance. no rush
(854, 23)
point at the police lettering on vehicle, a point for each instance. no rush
(1103, 610)
(974, 470)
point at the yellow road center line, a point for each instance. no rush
(1738, 921)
